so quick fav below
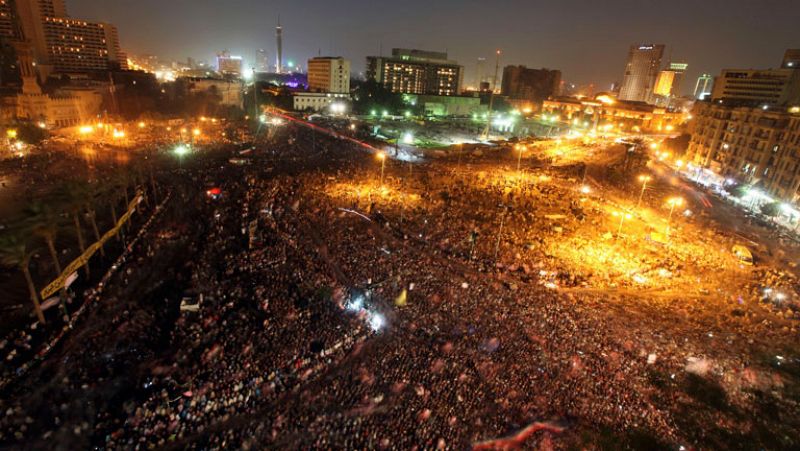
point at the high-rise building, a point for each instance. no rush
(329, 74)
(79, 46)
(752, 145)
(262, 62)
(669, 80)
(279, 53)
(480, 73)
(641, 71)
(668, 84)
(535, 85)
(791, 59)
(769, 87)
(703, 87)
(9, 24)
(63, 44)
(229, 65)
(417, 72)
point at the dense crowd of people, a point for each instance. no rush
(296, 316)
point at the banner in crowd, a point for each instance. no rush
(61, 281)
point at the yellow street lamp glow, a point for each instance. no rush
(141, 124)
(608, 100)
(118, 134)
(183, 130)
(654, 146)
(622, 217)
(672, 202)
(585, 189)
(86, 129)
(675, 201)
(196, 132)
(11, 133)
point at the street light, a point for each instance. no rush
(180, 151)
(644, 179)
(673, 202)
(622, 217)
(382, 156)
(521, 149)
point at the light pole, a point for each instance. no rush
(521, 149)
(382, 156)
(622, 217)
(673, 202)
(644, 179)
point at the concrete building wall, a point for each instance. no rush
(751, 145)
(773, 87)
(535, 85)
(417, 72)
(328, 74)
(641, 70)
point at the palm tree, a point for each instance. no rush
(45, 223)
(15, 252)
(93, 194)
(75, 196)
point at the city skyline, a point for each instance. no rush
(594, 50)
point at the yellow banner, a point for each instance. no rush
(76, 264)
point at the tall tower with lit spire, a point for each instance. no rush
(279, 38)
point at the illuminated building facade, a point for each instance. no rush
(617, 115)
(641, 71)
(417, 72)
(63, 44)
(8, 21)
(770, 87)
(262, 61)
(702, 88)
(80, 46)
(751, 145)
(229, 91)
(329, 74)
(229, 65)
(317, 101)
(533, 85)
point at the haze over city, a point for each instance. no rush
(586, 40)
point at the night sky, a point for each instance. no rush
(587, 40)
